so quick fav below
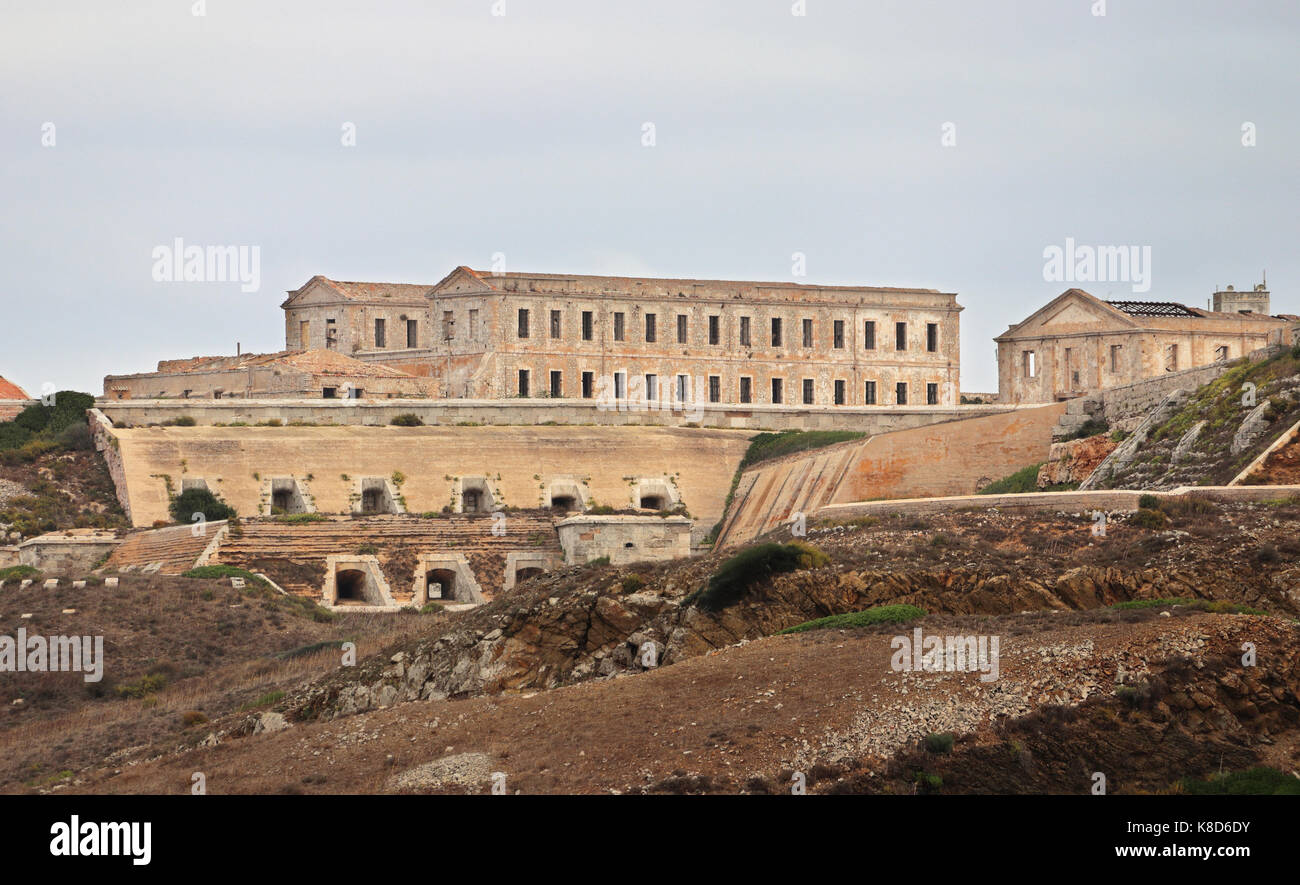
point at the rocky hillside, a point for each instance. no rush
(589, 623)
(1209, 436)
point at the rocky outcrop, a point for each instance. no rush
(1075, 460)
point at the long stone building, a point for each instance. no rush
(1078, 343)
(487, 335)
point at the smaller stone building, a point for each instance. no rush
(298, 374)
(1078, 343)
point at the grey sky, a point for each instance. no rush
(522, 134)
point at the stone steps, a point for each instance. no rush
(173, 549)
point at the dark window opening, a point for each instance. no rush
(900, 393)
(587, 323)
(652, 502)
(523, 382)
(681, 328)
(441, 582)
(714, 335)
(588, 385)
(932, 394)
(745, 392)
(523, 322)
(807, 333)
(381, 338)
(839, 392)
(650, 328)
(807, 391)
(932, 337)
(900, 336)
(412, 334)
(869, 334)
(557, 384)
(777, 390)
(869, 393)
(555, 324)
(839, 334)
(715, 389)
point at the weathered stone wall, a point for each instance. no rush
(520, 464)
(1133, 401)
(73, 552)
(870, 419)
(9, 408)
(624, 539)
(957, 457)
(107, 445)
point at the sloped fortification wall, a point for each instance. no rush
(955, 458)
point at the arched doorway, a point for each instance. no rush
(441, 584)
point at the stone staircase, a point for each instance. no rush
(167, 551)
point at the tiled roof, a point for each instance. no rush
(9, 390)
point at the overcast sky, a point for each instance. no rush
(523, 134)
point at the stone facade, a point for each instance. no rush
(290, 374)
(1078, 343)
(624, 539)
(491, 335)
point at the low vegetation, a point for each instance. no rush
(742, 572)
(881, 614)
(191, 501)
(1258, 781)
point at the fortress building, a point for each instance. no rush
(486, 335)
(1078, 343)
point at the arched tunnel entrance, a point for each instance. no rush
(441, 584)
(350, 585)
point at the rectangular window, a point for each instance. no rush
(839, 334)
(330, 393)
(714, 335)
(588, 322)
(869, 393)
(588, 385)
(1115, 352)
(380, 337)
(557, 384)
(473, 323)
(681, 328)
(1220, 353)
(523, 322)
(1030, 364)
(776, 331)
(746, 393)
(807, 391)
(618, 326)
(839, 392)
(1171, 358)
(900, 336)
(555, 324)
(744, 332)
(331, 334)
(715, 389)
(683, 388)
(523, 382)
(649, 328)
(412, 334)
(807, 333)
(304, 334)
(932, 394)
(651, 387)
(932, 337)
(777, 391)
(448, 327)
(869, 334)
(620, 385)
(900, 393)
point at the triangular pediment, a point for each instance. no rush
(1072, 311)
(462, 280)
(317, 290)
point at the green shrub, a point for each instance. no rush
(430, 608)
(737, 575)
(181, 421)
(766, 446)
(1023, 480)
(407, 419)
(633, 583)
(150, 683)
(1148, 502)
(939, 743)
(191, 718)
(19, 573)
(301, 517)
(880, 614)
(1148, 519)
(199, 500)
